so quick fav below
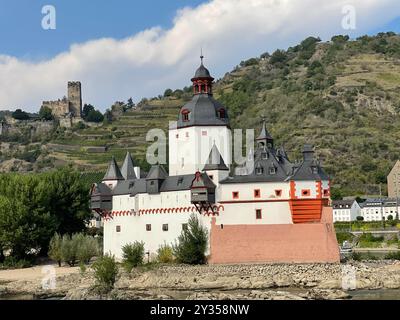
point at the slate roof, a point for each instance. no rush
(264, 135)
(113, 172)
(202, 72)
(101, 188)
(157, 172)
(215, 161)
(203, 110)
(128, 168)
(310, 168)
(268, 167)
(342, 204)
(170, 183)
(384, 202)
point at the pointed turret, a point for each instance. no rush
(113, 172)
(265, 138)
(215, 161)
(128, 168)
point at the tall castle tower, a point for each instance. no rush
(75, 98)
(203, 123)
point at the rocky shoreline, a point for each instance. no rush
(222, 282)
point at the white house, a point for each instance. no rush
(376, 209)
(275, 212)
(345, 210)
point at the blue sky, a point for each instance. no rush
(21, 34)
(120, 49)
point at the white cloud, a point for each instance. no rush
(155, 59)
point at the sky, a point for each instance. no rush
(123, 48)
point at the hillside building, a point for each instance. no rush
(378, 209)
(393, 181)
(345, 210)
(277, 212)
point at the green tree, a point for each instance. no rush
(94, 116)
(45, 113)
(87, 108)
(192, 243)
(55, 249)
(20, 115)
(168, 93)
(133, 255)
(105, 272)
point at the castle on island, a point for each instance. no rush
(277, 211)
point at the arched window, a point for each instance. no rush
(185, 115)
(221, 113)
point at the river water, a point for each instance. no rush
(380, 294)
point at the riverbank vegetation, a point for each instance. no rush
(33, 207)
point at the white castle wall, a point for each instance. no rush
(274, 209)
(133, 228)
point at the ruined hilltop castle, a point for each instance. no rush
(68, 109)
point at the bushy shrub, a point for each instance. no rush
(11, 262)
(79, 247)
(192, 243)
(165, 254)
(68, 251)
(356, 256)
(393, 256)
(55, 246)
(133, 255)
(87, 247)
(105, 272)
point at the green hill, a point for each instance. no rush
(343, 96)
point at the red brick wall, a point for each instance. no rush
(285, 243)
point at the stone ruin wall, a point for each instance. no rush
(59, 108)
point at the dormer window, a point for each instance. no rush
(314, 170)
(185, 115)
(272, 170)
(259, 171)
(264, 155)
(180, 181)
(221, 113)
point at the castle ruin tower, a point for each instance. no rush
(75, 98)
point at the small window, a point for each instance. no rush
(165, 227)
(259, 171)
(211, 177)
(257, 193)
(187, 134)
(118, 228)
(177, 136)
(180, 180)
(235, 195)
(148, 227)
(152, 183)
(326, 192)
(185, 115)
(222, 226)
(278, 193)
(204, 133)
(184, 226)
(258, 214)
(272, 170)
(264, 155)
(314, 170)
(305, 192)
